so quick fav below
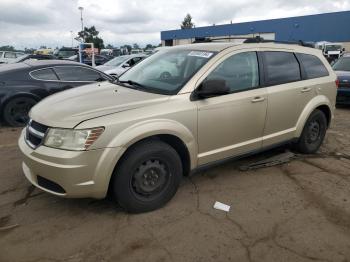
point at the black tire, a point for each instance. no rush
(15, 112)
(313, 133)
(147, 177)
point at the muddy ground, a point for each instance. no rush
(298, 211)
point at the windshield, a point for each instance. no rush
(166, 72)
(117, 61)
(343, 64)
(333, 47)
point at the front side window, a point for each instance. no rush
(44, 74)
(343, 64)
(77, 73)
(168, 71)
(313, 66)
(240, 72)
(281, 68)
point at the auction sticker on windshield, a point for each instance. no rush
(200, 54)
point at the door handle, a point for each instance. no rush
(258, 99)
(306, 89)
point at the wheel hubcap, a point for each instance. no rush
(150, 178)
(314, 131)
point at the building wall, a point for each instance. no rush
(332, 27)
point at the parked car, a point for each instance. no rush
(9, 56)
(342, 69)
(136, 138)
(32, 57)
(22, 85)
(65, 52)
(99, 59)
(120, 64)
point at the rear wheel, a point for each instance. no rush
(313, 133)
(147, 177)
(15, 112)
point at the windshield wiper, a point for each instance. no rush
(132, 83)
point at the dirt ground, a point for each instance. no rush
(298, 211)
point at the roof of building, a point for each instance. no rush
(329, 26)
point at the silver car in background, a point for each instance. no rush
(120, 64)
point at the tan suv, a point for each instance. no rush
(180, 109)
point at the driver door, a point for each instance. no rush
(232, 124)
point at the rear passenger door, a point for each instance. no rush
(287, 95)
(73, 76)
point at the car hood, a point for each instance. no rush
(116, 71)
(104, 68)
(69, 108)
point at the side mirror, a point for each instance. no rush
(125, 66)
(210, 88)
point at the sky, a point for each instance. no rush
(52, 23)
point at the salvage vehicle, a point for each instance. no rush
(120, 64)
(332, 51)
(24, 84)
(9, 56)
(32, 57)
(342, 69)
(136, 137)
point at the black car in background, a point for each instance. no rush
(99, 59)
(22, 85)
(342, 68)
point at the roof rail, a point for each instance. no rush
(250, 40)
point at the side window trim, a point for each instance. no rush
(266, 82)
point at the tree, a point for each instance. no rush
(187, 22)
(90, 35)
(135, 46)
(109, 46)
(149, 46)
(7, 48)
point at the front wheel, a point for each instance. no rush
(15, 112)
(313, 133)
(147, 177)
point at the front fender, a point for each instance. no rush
(148, 128)
(316, 102)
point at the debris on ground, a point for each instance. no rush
(221, 206)
(271, 161)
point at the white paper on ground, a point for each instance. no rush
(221, 206)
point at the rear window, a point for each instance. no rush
(44, 74)
(281, 68)
(313, 66)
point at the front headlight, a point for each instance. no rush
(72, 139)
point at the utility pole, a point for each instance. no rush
(82, 21)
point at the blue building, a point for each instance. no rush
(332, 27)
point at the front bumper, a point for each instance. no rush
(69, 173)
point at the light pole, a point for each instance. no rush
(71, 34)
(82, 22)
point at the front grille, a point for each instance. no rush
(50, 185)
(35, 133)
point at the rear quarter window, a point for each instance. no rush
(281, 68)
(313, 66)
